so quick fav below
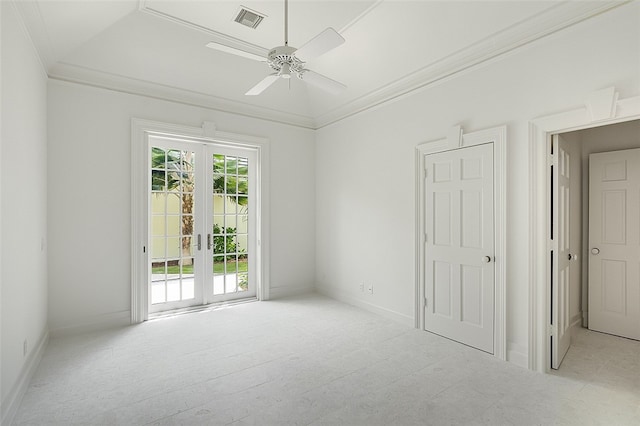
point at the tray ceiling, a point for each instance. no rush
(157, 47)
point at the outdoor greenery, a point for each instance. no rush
(172, 171)
(224, 241)
(218, 268)
(234, 184)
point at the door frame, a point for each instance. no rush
(601, 108)
(458, 139)
(206, 134)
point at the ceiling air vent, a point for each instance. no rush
(249, 18)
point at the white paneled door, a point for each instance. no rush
(459, 251)
(561, 254)
(614, 243)
(202, 223)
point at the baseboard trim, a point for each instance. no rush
(517, 354)
(576, 321)
(13, 399)
(346, 298)
(95, 323)
(290, 290)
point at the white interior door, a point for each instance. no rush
(459, 251)
(561, 251)
(614, 243)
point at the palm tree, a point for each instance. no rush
(172, 171)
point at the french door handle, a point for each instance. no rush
(199, 242)
(208, 241)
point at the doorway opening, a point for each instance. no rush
(199, 218)
(595, 241)
(603, 107)
(202, 223)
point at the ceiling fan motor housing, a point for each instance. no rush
(281, 55)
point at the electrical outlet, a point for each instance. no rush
(370, 288)
(25, 347)
(362, 287)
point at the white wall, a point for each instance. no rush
(598, 139)
(24, 206)
(365, 164)
(90, 190)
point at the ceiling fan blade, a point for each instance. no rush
(260, 87)
(319, 45)
(322, 82)
(235, 51)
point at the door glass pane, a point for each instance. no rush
(218, 204)
(218, 163)
(218, 224)
(243, 281)
(172, 225)
(243, 186)
(243, 224)
(243, 166)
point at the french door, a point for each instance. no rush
(202, 223)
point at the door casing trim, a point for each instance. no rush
(207, 133)
(601, 108)
(458, 139)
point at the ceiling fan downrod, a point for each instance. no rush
(286, 22)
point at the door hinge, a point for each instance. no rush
(144, 249)
(552, 330)
(426, 302)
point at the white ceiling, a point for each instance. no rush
(157, 47)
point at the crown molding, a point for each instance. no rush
(90, 77)
(35, 28)
(358, 18)
(545, 23)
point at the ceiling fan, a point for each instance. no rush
(286, 60)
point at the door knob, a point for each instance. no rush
(486, 259)
(595, 250)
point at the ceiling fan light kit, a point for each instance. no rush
(282, 58)
(286, 60)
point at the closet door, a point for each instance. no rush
(614, 243)
(459, 261)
